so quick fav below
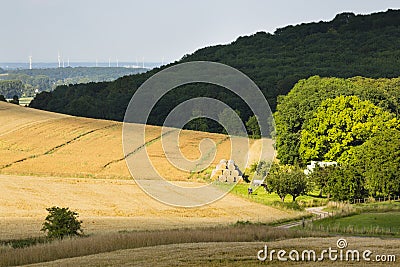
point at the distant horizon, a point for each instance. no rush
(75, 64)
(153, 31)
(78, 61)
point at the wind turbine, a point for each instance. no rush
(30, 62)
(59, 60)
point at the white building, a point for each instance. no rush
(311, 167)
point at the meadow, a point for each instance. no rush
(366, 223)
(260, 195)
(369, 219)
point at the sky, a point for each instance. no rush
(153, 31)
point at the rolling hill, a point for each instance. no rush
(41, 143)
(51, 159)
(347, 46)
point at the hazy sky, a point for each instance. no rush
(130, 30)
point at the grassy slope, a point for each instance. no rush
(261, 196)
(387, 220)
(374, 223)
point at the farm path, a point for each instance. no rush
(317, 211)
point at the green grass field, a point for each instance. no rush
(376, 223)
(263, 197)
(378, 206)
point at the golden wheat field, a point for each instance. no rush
(39, 143)
(49, 159)
(111, 205)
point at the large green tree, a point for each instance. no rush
(298, 107)
(340, 124)
(344, 183)
(378, 161)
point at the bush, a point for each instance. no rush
(61, 222)
(15, 100)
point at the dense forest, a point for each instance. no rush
(10, 88)
(26, 82)
(349, 45)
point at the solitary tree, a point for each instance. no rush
(61, 222)
(285, 180)
(275, 183)
(296, 183)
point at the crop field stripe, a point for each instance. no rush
(30, 124)
(76, 138)
(148, 143)
(54, 149)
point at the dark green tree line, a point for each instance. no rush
(347, 46)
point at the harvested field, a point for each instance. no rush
(112, 205)
(40, 143)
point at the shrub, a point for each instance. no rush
(61, 222)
